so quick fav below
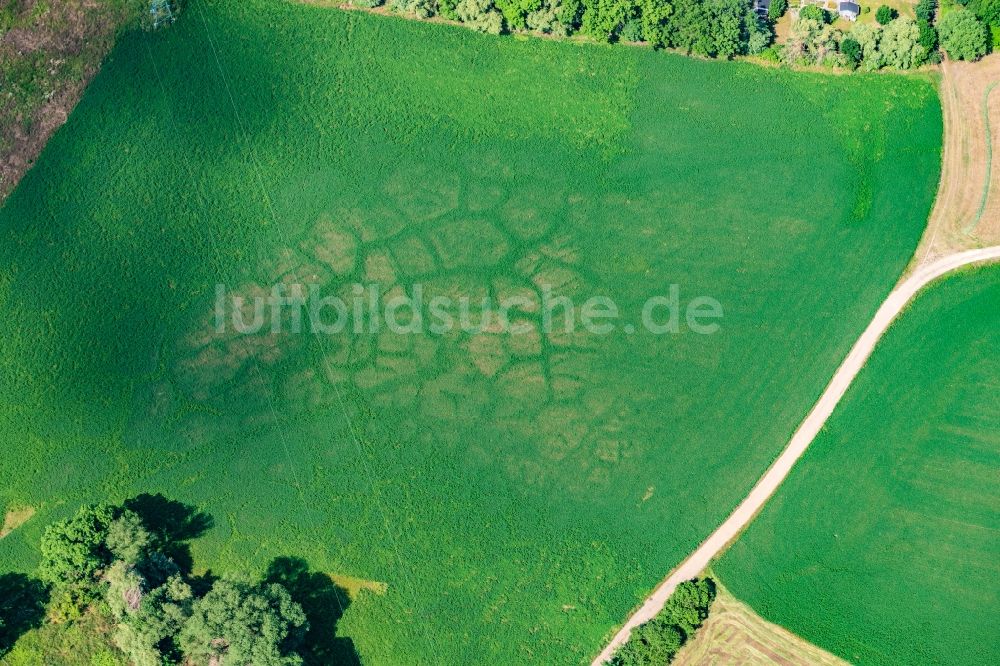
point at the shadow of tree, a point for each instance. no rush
(324, 603)
(22, 607)
(172, 524)
(202, 583)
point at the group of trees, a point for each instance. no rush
(657, 641)
(135, 573)
(895, 42)
(714, 28)
(105, 555)
(965, 34)
(987, 11)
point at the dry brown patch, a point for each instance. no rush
(960, 219)
(379, 269)
(413, 256)
(14, 518)
(734, 634)
(24, 40)
(354, 586)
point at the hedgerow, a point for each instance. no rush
(710, 28)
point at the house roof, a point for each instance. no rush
(850, 7)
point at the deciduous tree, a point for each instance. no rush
(604, 19)
(885, 15)
(236, 624)
(852, 51)
(988, 11)
(147, 632)
(963, 36)
(868, 36)
(480, 15)
(74, 550)
(814, 13)
(925, 10)
(759, 33)
(900, 45)
(810, 42)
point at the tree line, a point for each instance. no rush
(711, 28)
(728, 28)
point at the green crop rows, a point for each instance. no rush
(881, 546)
(517, 496)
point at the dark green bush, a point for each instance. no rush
(926, 10)
(777, 9)
(885, 15)
(852, 51)
(632, 32)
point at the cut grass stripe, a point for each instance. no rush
(989, 162)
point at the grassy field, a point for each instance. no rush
(882, 545)
(513, 497)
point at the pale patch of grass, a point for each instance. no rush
(14, 518)
(354, 586)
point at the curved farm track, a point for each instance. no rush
(963, 230)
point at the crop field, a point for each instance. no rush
(491, 497)
(882, 545)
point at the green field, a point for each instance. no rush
(882, 545)
(517, 494)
